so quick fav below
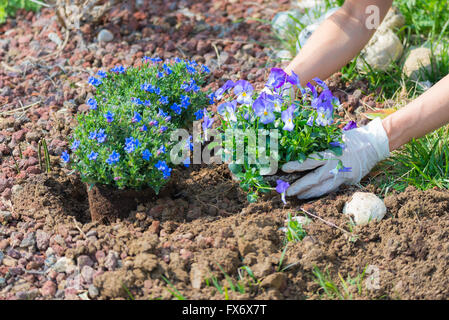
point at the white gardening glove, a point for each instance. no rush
(364, 147)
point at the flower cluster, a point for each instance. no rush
(304, 118)
(124, 138)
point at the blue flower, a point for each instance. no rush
(147, 103)
(113, 158)
(321, 83)
(350, 125)
(93, 135)
(243, 90)
(222, 90)
(276, 79)
(199, 114)
(65, 157)
(162, 166)
(92, 156)
(281, 188)
(136, 100)
(109, 116)
(337, 144)
(162, 129)
(293, 79)
(287, 117)
(143, 128)
(102, 74)
(131, 144)
(163, 100)
(146, 154)
(190, 69)
(94, 81)
(176, 108)
(154, 122)
(160, 75)
(118, 69)
(264, 109)
(207, 123)
(167, 69)
(310, 121)
(185, 101)
(211, 98)
(228, 109)
(75, 145)
(186, 162)
(136, 118)
(92, 103)
(205, 69)
(161, 150)
(101, 136)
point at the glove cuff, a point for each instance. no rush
(377, 136)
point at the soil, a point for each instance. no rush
(50, 248)
(209, 226)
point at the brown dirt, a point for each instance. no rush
(207, 228)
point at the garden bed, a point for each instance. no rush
(50, 249)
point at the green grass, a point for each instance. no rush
(294, 230)
(238, 286)
(173, 291)
(8, 8)
(343, 289)
(422, 163)
(425, 17)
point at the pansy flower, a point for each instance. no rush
(243, 90)
(350, 125)
(287, 118)
(222, 90)
(228, 109)
(281, 188)
(276, 79)
(264, 108)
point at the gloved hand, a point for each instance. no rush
(364, 147)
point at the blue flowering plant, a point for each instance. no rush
(303, 116)
(124, 138)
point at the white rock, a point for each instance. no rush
(384, 47)
(381, 51)
(64, 265)
(105, 35)
(309, 4)
(365, 207)
(417, 62)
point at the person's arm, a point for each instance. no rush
(421, 116)
(336, 41)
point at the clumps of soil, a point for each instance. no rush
(207, 229)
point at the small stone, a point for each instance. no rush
(105, 35)
(42, 240)
(48, 289)
(418, 62)
(365, 207)
(198, 272)
(111, 260)
(9, 262)
(84, 261)
(5, 216)
(93, 291)
(63, 265)
(29, 240)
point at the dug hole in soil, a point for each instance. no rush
(207, 224)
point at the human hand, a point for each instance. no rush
(364, 147)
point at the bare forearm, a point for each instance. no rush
(423, 115)
(337, 41)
